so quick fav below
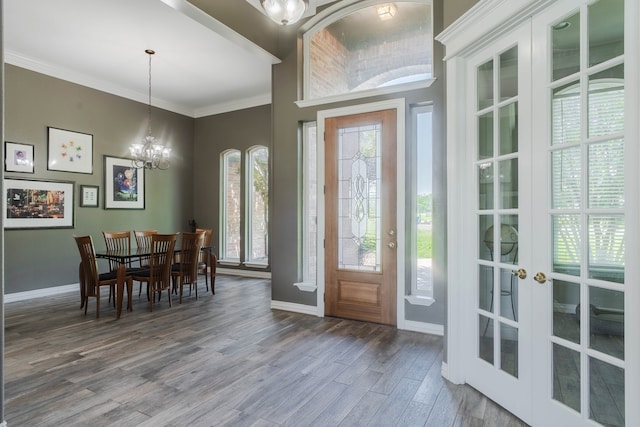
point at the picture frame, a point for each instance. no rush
(123, 184)
(69, 151)
(89, 196)
(31, 203)
(18, 157)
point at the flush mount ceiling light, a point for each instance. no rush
(151, 153)
(284, 12)
(387, 11)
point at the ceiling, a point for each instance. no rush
(201, 67)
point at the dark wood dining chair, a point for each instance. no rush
(117, 241)
(185, 272)
(143, 240)
(205, 260)
(158, 274)
(91, 280)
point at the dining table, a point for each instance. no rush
(125, 257)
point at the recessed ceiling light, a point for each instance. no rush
(562, 25)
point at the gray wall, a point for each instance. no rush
(213, 135)
(286, 154)
(40, 258)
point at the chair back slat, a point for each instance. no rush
(89, 263)
(116, 241)
(162, 248)
(191, 246)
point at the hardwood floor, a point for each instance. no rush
(224, 360)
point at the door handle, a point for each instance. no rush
(521, 273)
(540, 277)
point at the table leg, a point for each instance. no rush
(120, 289)
(213, 263)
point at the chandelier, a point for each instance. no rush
(284, 12)
(150, 153)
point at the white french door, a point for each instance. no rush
(581, 214)
(499, 324)
(552, 158)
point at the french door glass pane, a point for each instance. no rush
(485, 85)
(606, 17)
(566, 376)
(359, 234)
(566, 311)
(606, 247)
(485, 238)
(509, 73)
(508, 173)
(606, 321)
(485, 136)
(566, 178)
(509, 128)
(509, 349)
(606, 393)
(566, 231)
(485, 342)
(606, 174)
(508, 294)
(485, 287)
(485, 184)
(565, 36)
(606, 102)
(565, 114)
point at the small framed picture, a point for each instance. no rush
(18, 157)
(70, 151)
(123, 184)
(89, 196)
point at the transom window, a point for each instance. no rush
(367, 48)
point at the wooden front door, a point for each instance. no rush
(360, 217)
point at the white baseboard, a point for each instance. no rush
(244, 273)
(296, 308)
(425, 328)
(55, 290)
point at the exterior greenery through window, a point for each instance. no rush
(258, 206)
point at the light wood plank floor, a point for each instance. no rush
(224, 360)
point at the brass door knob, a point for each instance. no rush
(521, 273)
(540, 277)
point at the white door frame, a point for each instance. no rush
(399, 106)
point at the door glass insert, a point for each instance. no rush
(566, 310)
(509, 128)
(359, 234)
(485, 136)
(508, 172)
(509, 73)
(606, 247)
(566, 231)
(606, 18)
(606, 174)
(509, 349)
(485, 291)
(485, 346)
(566, 376)
(565, 114)
(606, 393)
(606, 321)
(565, 40)
(485, 85)
(606, 102)
(566, 178)
(485, 185)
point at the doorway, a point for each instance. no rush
(359, 218)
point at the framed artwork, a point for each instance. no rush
(89, 196)
(18, 157)
(123, 184)
(69, 151)
(30, 203)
